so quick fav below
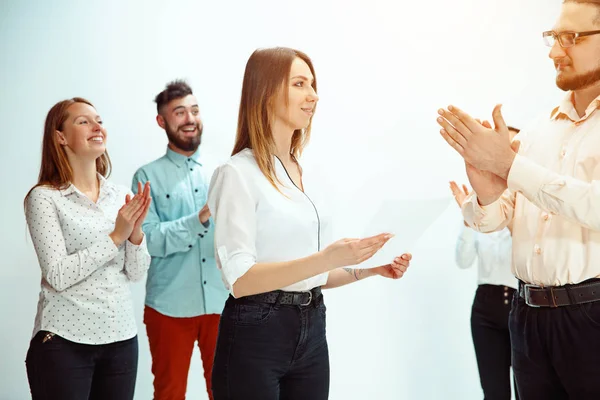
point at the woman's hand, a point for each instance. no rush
(459, 194)
(131, 216)
(346, 252)
(137, 235)
(396, 269)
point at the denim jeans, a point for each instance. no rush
(271, 352)
(65, 370)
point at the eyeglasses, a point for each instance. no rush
(565, 39)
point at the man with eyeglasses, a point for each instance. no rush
(550, 188)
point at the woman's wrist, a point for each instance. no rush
(136, 237)
(117, 240)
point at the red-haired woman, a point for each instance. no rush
(88, 238)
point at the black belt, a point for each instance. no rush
(289, 298)
(557, 296)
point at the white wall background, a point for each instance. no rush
(383, 68)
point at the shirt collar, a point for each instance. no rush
(105, 187)
(180, 159)
(566, 110)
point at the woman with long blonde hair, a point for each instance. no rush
(88, 238)
(270, 243)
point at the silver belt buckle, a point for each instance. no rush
(527, 288)
(309, 298)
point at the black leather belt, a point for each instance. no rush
(290, 298)
(557, 296)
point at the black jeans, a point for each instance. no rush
(556, 351)
(491, 338)
(63, 370)
(271, 352)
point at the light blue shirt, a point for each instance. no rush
(183, 279)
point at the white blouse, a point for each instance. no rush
(254, 223)
(85, 294)
(493, 252)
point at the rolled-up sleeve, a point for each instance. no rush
(233, 209)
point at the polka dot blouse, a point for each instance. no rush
(85, 294)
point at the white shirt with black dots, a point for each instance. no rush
(85, 295)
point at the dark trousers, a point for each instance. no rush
(491, 338)
(556, 351)
(59, 369)
(271, 352)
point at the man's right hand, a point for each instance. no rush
(487, 185)
(204, 214)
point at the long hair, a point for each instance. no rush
(55, 170)
(267, 71)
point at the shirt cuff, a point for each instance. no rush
(193, 225)
(478, 216)
(135, 250)
(526, 177)
(234, 267)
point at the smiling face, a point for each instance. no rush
(297, 110)
(180, 118)
(82, 134)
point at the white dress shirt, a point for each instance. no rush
(85, 294)
(493, 252)
(554, 198)
(254, 223)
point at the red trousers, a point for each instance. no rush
(171, 345)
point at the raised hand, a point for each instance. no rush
(346, 252)
(396, 269)
(128, 216)
(460, 194)
(137, 235)
(483, 147)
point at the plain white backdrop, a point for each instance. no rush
(383, 69)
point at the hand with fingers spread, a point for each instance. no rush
(346, 252)
(482, 147)
(459, 194)
(131, 216)
(396, 269)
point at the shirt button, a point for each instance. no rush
(505, 294)
(505, 301)
(204, 260)
(563, 152)
(190, 246)
(191, 169)
(196, 190)
(205, 282)
(546, 217)
(537, 249)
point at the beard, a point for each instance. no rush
(579, 81)
(181, 142)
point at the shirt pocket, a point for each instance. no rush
(172, 205)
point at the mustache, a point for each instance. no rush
(562, 61)
(193, 125)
